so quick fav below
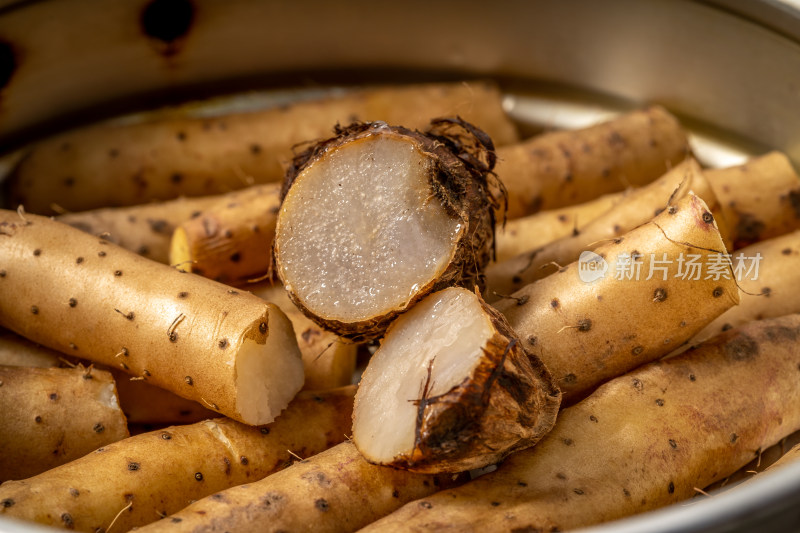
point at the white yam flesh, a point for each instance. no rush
(361, 232)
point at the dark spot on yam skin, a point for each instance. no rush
(72, 302)
(166, 436)
(708, 218)
(53, 396)
(673, 444)
(74, 492)
(265, 431)
(223, 343)
(117, 273)
(766, 291)
(7, 502)
(3, 273)
(189, 381)
(593, 418)
(532, 340)
(585, 324)
(244, 460)
(561, 476)
(101, 254)
(262, 327)
(255, 149)
(183, 294)
(37, 252)
(34, 310)
(659, 295)
(794, 200)
(495, 504)
(637, 350)
(167, 20)
(637, 384)
(616, 140)
(98, 428)
(173, 337)
(671, 488)
(133, 467)
(672, 210)
(554, 303)
(395, 493)
(779, 334)
(37, 419)
(692, 377)
(659, 402)
(748, 230)
(198, 476)
(717, 292)
(426, 504)
(786, 251)
(236, 257)
(741, 348)
(579, 492)
(322, 505)
(159, 225)
(734, 437)
(516, 280)
(569, 378)
(568, 441)
(66, 518)
(176, 520)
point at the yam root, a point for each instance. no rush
(600, 317)
(768, 275)
(202, 340)
(328, 360)
(336, 491)
(636, 208)
(51, 416)
(145, 229)
(642, 441)
(451, 388)
(379, 216)
(230, 242)
(760, 199)
(520, 235)
(571, 167)
(116, 165)
(158, 473)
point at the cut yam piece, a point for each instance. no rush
(376, 218)
(451, 389)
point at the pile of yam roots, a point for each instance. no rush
(383, 310)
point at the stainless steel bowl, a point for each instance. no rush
(730, 69)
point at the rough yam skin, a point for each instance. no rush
(231, 242)
(760, 199)
(641, 441)
(88, 298)
(162, 471)
(773, 294)
(336, 491)
(574, 166)
(520, 235)
(51, 416)
(635, 209)
(145, 229)
(586, 333)
(464, 161)
(508, 403)
(128, 164)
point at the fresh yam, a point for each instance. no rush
(642, 441)
(230, 242)
(158, 473)
(571, 167)
(451, 388)
(520, 235)
(760, 199)
(379, 216)
(601, 316)
(51, 416)
(329, 361)
(141, 402)
(117, 165)
(635, 209)
(768, 276)
(81, 295)
(18, 351)
(145, 229)
(336, 491)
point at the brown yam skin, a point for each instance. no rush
(772, 294)
(642, 441)
(117, 165)
(54, 415)
(141, 402)
(760, 199)
(161, 472)
(571, 167)
(464, 159)
(145, 229)
(334, 491)
(85, 297)
(230, 242)
(636, 208)
(533, 231)
(586, 333)
(509, 403)
(329, 361)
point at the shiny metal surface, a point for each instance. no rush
(729, 68)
